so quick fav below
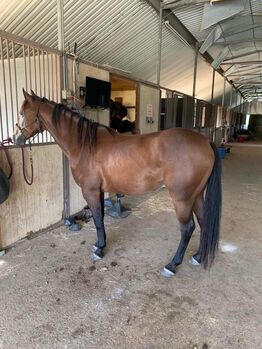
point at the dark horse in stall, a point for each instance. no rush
(103, 160)
(117, 113)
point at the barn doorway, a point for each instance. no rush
(124, 91)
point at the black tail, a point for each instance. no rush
(212, 213)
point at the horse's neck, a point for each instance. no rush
(64, 133)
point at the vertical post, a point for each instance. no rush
(158, 73)
(214, 118)
(213, 85)
(194, 85)
(231, 95)
(195, 71)
(223, 97)
(10, 87)
(223, 140)
(61, 47)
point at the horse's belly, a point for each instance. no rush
(132, 186)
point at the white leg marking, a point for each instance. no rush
(95, 258)
(94, 248)
(194, 262)
(167, 273)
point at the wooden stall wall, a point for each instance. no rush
(32, 208)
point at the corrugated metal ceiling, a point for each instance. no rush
(119, 33)
(241, 33)
(124, 34)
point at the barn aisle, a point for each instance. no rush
(53, 296)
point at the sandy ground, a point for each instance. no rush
(53, 296)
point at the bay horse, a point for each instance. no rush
(103, 160)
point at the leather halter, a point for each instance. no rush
(36, 121)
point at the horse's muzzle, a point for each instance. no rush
(19, 139)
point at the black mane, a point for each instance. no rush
(86, 129)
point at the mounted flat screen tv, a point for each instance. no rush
(97, 93)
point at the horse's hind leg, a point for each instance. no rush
(198, 209)
(187, 226)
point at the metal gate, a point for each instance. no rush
(24, 64)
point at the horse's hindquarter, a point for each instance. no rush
(130, 164)
(188, 160)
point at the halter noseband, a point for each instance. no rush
(36, 121)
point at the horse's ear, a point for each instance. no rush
(33, 94)
(27, 96)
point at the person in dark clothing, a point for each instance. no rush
(117, 113)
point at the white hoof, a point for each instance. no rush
(94, 248)
(194, 262)
(95, 258)
(167, 273)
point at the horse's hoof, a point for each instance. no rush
(94, 248)
(167, 273)
(95, 257)
(194, 262)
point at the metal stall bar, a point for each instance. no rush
(35, 81)
(15, 79)
(40, 85)
(158, 72)
(44, 88)
(29, 67)
(30, 79)
(48, 89)
(53, 85)
(10, 84)
(25, 68)
(5, 134)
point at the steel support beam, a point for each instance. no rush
(180, 29)
(242, 62)
(61, 47)
(195, 72)
(243, 55)
(213, 86)
(158, 74)
(223, 96)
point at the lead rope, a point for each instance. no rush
(2, 146)
(29, 182)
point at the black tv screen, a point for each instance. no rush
(97, 93)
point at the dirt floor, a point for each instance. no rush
(53, 296)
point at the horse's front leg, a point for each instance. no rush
(95, 200)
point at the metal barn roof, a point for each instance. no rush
(231, 31)
(124, 34)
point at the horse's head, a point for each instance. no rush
(29, 123)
